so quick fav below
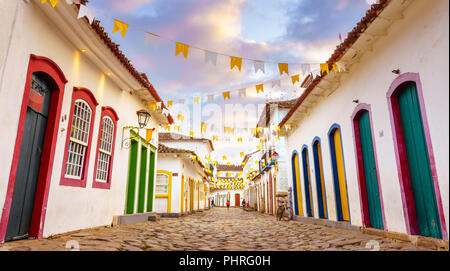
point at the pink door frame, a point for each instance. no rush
(403, 171)
(58, 82)
(360, 108)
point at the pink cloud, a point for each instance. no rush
(127, 6)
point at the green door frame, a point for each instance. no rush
(151, 179)
(142, 177)
(132, 172)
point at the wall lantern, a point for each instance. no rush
(143, 119)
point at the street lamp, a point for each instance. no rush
(143, 117)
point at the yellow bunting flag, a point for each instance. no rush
(224, 157)
(283, 67)
(239, 139)
(259, 88)
(253, 130)
(259, 147)
(204, 125)
(196, 100)
(118, 25)
(259, 129)
(153, 106)
(169, 103)
(262, 138)
(177, 128)
(215, 138)
(52, 2)
(180, 118)
(191, 134)
(235, 62)
(242, 155)
(295, 78)
(226, 95)
(194, 157)
(149, 135)
(228, 163)
(335, 68)
(324, 68)
(168, 128)
(181, 48)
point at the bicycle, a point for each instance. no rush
(284, 212)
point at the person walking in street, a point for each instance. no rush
(243, 204)
(212, 203)
(228, 205)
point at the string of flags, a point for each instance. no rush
(183, 48)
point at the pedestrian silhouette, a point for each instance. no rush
(228, 205)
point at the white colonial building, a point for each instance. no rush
(370, 145)
(73, 156)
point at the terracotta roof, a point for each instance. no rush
(140, 77)
(164, 149)
(221, 167)
(178, 137)
(341, 49)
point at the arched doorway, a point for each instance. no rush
(320, 183)
(307, 181)
(298, 207)
(340, 183)
(31, 168)
(369, 186)
(415, 159)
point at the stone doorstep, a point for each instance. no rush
(416, 240)
(170, 215)
(134, 218)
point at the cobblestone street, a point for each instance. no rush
(215, 229)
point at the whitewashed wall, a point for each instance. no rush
(68, 208)
(418, 44)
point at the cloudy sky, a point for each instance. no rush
(281, 31)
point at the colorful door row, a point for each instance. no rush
(413, 158)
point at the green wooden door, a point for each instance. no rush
(151, 178)
(418, 162)
(142, 179)
(370, 171)
(132, 171)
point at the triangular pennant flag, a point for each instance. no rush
(169, 103)
(177, 128)
(149, 135)
(180, 117)
(181, 48)
(226, 95)
(153, 38)
(242, 92)
(295, 78)
(204, 125)
(306, 69)
(239, 139)
(86, 11)
(196, 100)
(118, 25)
(242, 155)
(259, 88)
(324, 68)
(341, 67)
(276, 83)
(235, 61)
(210, 98)
(168, 128)
(210, 57)
(52, 2)
(259, 65)
(153, 106)
(283, 67)
(191, 134)
(158, 105)
(165, 112)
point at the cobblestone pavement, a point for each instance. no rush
(215, 229)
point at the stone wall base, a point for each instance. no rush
(134, 218)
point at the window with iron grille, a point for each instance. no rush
(105, 149)
(79, 138)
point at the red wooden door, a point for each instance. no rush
(237, 200)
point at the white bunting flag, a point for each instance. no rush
(259, 65)
(306, 69)
(211, 98)
(151, 38)
(165, 112)
(243, 92)
(210, 57)
(276, 83)
(158, 105)
(315, 69)
(181, 101)
(86, 11)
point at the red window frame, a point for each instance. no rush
(106, 112)
(86, 95)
